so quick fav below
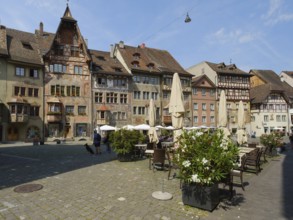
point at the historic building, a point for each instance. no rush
(67, 83)
(21, 86)
(270, 101)
(152, 72)
(111, 90)
(204, 102)
(234, 82)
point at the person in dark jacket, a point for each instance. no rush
(97, 142)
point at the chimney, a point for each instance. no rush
(121, 44)
(41, 28)
(142, 45)
(112, 51)
(3, 41)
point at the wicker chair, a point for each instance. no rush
(158, 160)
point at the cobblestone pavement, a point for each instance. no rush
(77, 185)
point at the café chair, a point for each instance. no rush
(253, 160)
(158, 160)
(238, 172)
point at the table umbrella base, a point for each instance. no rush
(162, 195)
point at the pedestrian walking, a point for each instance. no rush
(97, 142)
(107, 143)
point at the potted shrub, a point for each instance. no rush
(123, 143)
(272, 141)
(205, 158)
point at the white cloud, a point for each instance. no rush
(276, 14)
(234, 36)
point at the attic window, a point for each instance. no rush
(135, 64)
(26, 45)
(151, 66)
(136, 56)
(101, 58)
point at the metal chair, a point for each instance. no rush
(158, 159)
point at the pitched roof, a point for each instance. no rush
(103, 63)
(23, 47)
(227, 69)
(268, 76)
(197, 80)
(289, 73)
(45, 40)
(150, 60)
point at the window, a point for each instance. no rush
(141, 110)
(75, 51)
(266, 118)
(98, 97)
(19, 91)
(123, 98)
(111, 97)
(78, 70)
(69, 109)
(73, 91)
(19, 71)
(212, 119)
(204, 106)
(101, 81)
(146, 95)
(284, 118)
(58, 68)
(278, 118)
(212, 107)
(136, 94)
(154, 95)
(195, 106)
(252, 118)
(185, 96)
(212, 92)
(33, 92)
(119, 83)
(81, 110)
(27, 45)
(195, 119)
(52, 90)
(34, 110)
(134, 110)
(194, 91)
(203, 92)
(135, 64)
(166, 95)
(62, 90)
(54, 107)
(204, 119)
(34, 73)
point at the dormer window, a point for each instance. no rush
(151, 66)
(135, 64)
(27, 45)
(136, 56)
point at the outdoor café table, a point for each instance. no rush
(246, 150)
(167, 144)
(141, 148)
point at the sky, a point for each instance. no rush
(253, 34)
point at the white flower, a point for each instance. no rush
(199, 134)
(195, 178)
(207, 168)
(204, 160)
(186, 163)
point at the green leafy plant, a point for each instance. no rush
(123, 141)
(272, 140)
(205, 157)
